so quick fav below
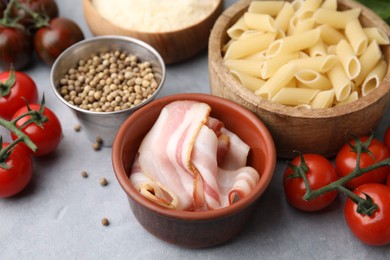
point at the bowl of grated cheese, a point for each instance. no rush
(178, 30)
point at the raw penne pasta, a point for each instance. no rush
(271, 8)
(312, 79)
(356, 36)
(237, 29)
(330, 35)
(260, 56)
(375, 33)
(368, 60)
(294, 43)
(250, 44)
(305, 44)
(284, 16)
(307, 9)
(294, 96)
(348, 59)
(340, 81)
(320, 63)
(248, 81)
(303, 25)
(319, 49)
(270, 66)
(323, 99)
(374, 78)
(336, 19)
(280, 79)
(296, 4)
(250, 67)
(330, 5)
(352, 97)
(260, 22)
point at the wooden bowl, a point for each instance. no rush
(202, 228)
(311, 131)
(173, 46)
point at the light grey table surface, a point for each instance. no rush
(59, 215)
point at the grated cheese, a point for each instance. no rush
(154, 15)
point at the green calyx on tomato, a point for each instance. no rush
(5, 87)
(308, 172)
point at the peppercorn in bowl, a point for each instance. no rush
(105, 79)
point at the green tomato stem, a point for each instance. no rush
(8, 20)
(22, 137)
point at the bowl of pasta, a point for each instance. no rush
(188, 166)
(178, 30)
(311, 70)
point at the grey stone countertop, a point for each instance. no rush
(59, 214)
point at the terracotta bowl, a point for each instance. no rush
(313, 131)
(185, 228)
(174, 46)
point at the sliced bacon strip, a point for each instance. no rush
(165, 152)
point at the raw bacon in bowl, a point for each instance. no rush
(190, 161)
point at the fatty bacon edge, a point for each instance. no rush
(190, 161)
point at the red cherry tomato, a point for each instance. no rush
(16, 48)
(321, 172)
(46, 138)
(16, 178)
(346, 162)
(374, 229)
(24, 89)
(388, 180)
(386, 138)
(50, 41)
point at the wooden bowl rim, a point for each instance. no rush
(230, 15)
(95, 13)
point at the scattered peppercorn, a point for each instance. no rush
(108, 81)
(99, 140)
(103, 181)
(105, 222)
(84, 174)
(77, 128)
(96, 146)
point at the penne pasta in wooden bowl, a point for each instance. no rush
(177, 32)
(318, 70)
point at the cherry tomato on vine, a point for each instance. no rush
(16, 178)
(15, 89)
(50, 41)
(47, 137)
(386, 138)
(388, 180)
(346, 162)
(320, 173)
(374, 229)
(47, 8)
(16, 48)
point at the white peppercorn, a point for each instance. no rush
(108, 81)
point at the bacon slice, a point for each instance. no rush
(189, 161)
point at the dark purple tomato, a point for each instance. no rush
(15, 48)
(50, 41)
